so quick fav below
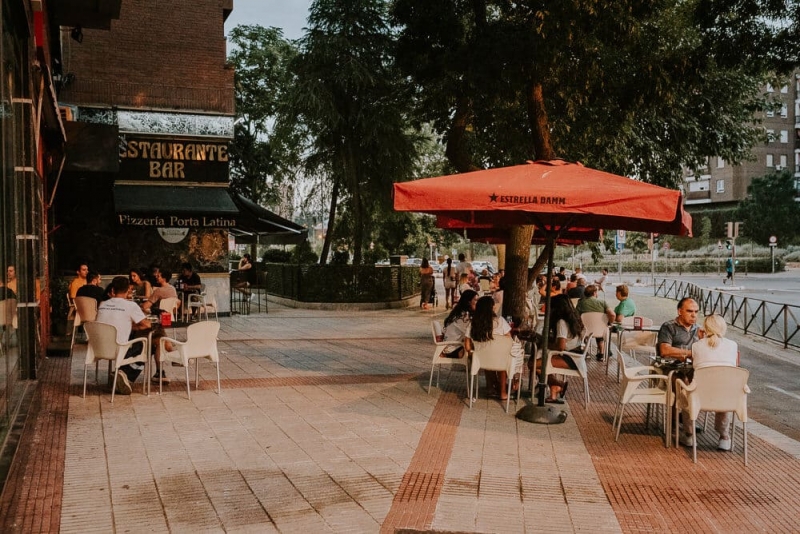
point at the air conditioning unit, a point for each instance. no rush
(778, 168)
(68, 113)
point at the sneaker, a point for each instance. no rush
(164, 377)
(687, 440)
(724, 444)
(123, 384)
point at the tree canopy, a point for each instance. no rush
(770, 209)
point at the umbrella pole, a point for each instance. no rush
(542, 413)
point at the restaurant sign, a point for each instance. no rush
(177, 221)
(172, 160)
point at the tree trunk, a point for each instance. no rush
(501, 256)
(456, 150)
(537, 266)
(517, 254)
(326, 244)
(540, 126)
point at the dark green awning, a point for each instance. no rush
(174, 206)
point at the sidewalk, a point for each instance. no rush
(324, 425)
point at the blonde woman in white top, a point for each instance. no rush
(716, 350)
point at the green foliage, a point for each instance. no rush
(262, 155)
(276, 255)
(302, 254)
(770, 209)
(352, 102)
(340, 257)
(59, 306)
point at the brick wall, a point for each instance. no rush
(159, 54)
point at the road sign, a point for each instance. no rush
(621, 235)
(773, 239)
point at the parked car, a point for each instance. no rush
(480, 265)
(437, 267)
(414, 262)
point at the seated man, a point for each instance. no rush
(162, 290)
(578, 291)
(189, 280)
(626, 307)
(128, 318)
(79, 280)
(676, 337)
(590, 303)
(92, 288)
(9, 289)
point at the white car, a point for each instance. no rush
(480, 265)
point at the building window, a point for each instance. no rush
(770, 162)
(785, 89)
(784, 136)
(720, 186)
(770, 113)
(720, 163)
(784, 111)
(769, 88)
(783, 161)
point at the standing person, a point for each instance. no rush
(566, 329)
(449, 277)
(626, 307)
(463, 267)
(485, 325)
(127, 317)
(676, 337)
(457, 323)
(92, 288)
(140, 286)
(600, 282)
(562, 274)
(728, 270)
(79, 280)
(426, 281)
(715, 350)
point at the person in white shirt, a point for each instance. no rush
(600, 282)
(485, 325)
(463, 267)
(715, 350)
(127, 317)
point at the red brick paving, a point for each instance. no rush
(415, 501)
(653, 489)
(31, 499)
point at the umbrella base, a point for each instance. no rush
(543, 415)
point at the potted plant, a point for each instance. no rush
(59, 306)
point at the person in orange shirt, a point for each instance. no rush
(79, 281)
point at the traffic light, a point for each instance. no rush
(728, 244)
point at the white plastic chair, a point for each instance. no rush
(642, 384)
(439, 360)
(103, 346)
(717, 388)
(171, 305)
(634, 341)
(597, 322)
(85, 311)
(494, 355)
(486, 286)
(196, 301)
(201, 342)
(579, 360)
(71, 310)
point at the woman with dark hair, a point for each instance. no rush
(426, 281)
(457, 323)
(449, 277)
(139, 284)
(485, 325)
(566, 329)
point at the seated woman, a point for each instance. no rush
(457, 323)
(715, 349)
(485, 325)
(139, 286)
(565, 333)
(463, 283)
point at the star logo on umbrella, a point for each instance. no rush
(493, 198)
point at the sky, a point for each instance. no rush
(289, 15)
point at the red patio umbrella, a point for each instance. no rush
(498, 235)
(553, 196)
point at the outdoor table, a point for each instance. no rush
(620, 329)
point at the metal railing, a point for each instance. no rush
(773, 320)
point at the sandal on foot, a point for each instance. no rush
(554, 401)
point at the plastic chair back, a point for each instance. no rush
(486, 285)
(719, 389)
(170, 305)
(201, 341)
(492, 355)
(102, 342)
(438, 332)
(86, 309)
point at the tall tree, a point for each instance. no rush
(633, 87)
(264, 152)
(770, 209)
(351, 99)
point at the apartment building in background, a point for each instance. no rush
(722, 185)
